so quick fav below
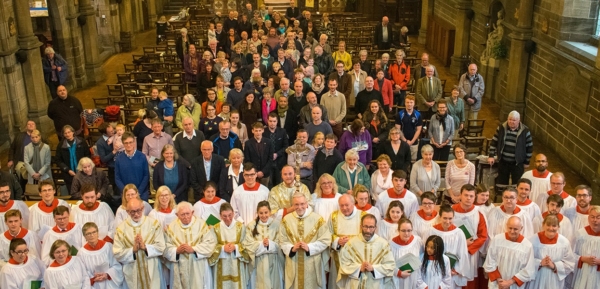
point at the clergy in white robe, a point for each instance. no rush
(326, 196)
(229, 259)
(539, 177)
(465, 212)
(63, 230)
(363, 202)
(498, 216)
(7, 204)
(92, 210)
(401, 245)
(343, 225)
(510, 260)
(554, 258)
(190, 242)
(100, 263)
(304, 239)
(426, 217)
(557, 183)
(579, 214)
(245, 198)
(366, 261)
(129, 192)
(526, 204)
(139, 244)
(455, 243)
(585, 247)
(13, 223)
(65, 271)
(400, 193)
(21, 267)
(210, 204)
(266, 258)
(40, 214)
(280, 196)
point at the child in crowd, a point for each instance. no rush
(436, 266)
(225, 111)
(168, 111)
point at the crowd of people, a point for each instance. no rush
(287, 193)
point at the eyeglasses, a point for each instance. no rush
(369, 227)
(89, 234)
(509, 198)
(249, 175)
(428, 204)
(127, 142)
(135, 212)
(557, 184)
(578, 195)
(5, 192)
(24, 252)
(406, 231)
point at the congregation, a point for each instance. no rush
(289, 165)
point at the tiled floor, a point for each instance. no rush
(489, 110)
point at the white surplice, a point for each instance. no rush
(142, 269)
(341, 226)
(422, 223)
(121, 214)
(406, 197)
(31, 238)
(497, 219)
(72, 274)
(376, 252)
(203, 208)
(230, 270)
(455, 243)
(486, 209)
(14, 205)
(40, 216)
(479, 222)
(566, 228)
(578, 219)
(570, 202)
(510, 260)
(540, 183)
(434, 278)
(399, 248)
(72, 235)
(266, 262)
(164, 218)
(560, 252)
(14, 276)
(387, 229)
(324, 206)
(101, 260)
(245, 199)
(101, 215)
(586, 243)
(190, 270)
(532, 210)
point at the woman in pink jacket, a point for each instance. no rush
(384, 86)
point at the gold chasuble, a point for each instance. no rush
(230, 269)
(377, 253)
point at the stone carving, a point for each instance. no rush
(494, 38)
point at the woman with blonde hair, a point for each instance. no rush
(326, 196)
(88, 174)
(164, 207)
(233, 176)
(130, 192)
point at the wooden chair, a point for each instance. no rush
(129, 117)
(177, 90)
(141, 77)
(474, 127)
(114, 90)
(158, 77)
(130, 67)
(175, 78)
(148, 50)
(123, 77)
(101, 102)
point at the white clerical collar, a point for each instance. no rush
(188, 225)
(136, 224)
(375, 236)
(306, 213)
(230, 225)
(269, 221)
(351, 215)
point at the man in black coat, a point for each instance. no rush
(384, 34)
(65, 109)
(259, 151)
(287, 118)
(292, 13)
(198, 175)
(280, 142)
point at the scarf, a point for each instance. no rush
(193, 62)
(317, 89)
(442, 119)
(72, 155)
(191, 108)
(282, 110)
(36, 161)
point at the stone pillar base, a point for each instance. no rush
(95, 73)
(489, 71)
(422, 36)
(456, 64)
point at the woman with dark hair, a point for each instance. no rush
(238, 127)
(172, 172)
(211, 97)
(191, 64)
(357, 138)
(209, 124)
(206, 80)
(210, 203)
(144, 128)
(388, 229)
(397, 150)
(401, 245)
(483, 199)
(264, 252)
(65, 271)
(68, 153)
(435, 268)
(237, 70)
(426, 217)
(376, 122)
(250, 111)
(21, 267)
(230, 40)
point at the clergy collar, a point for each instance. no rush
(365, 208)
(230, 225)
(546, 240)
(441, 228)
(425, 217)
(55, 263)
(459, 208)
(48, 209)
(578, 209)
(541, 175)
(83, 207)
(516, 211)
(269, 221)
(188, 225)
(255, 188)
(70, 226)
(519, 239)
(351, 215)
(165, 211)
(306, 213)
(559, 216)
(591, 232)
(562, 194)
(13, 262)
(399, 241)
(392, 193)
(8, 206)
(98, 246)
(213, 201)
(375, 236)
(136, 224)
(524, 203)
(21, 234)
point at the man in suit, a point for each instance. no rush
(420, 68)
(259, 151)
(280, 142)
(288, 118)
(207, 162)
(384, 34)
(429, 92)
(230, 22)
(292, 13)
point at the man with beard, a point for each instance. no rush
(579, 214)
(367, 261)
(555, 204)
(7, 204)
(539, 177)
(280, 197)
(92, 210)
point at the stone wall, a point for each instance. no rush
(446, 10)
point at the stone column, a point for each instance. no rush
(514, 99)
(426, 11)
(72, 39)
(461, 38)
(127, 36)
(596, 180)
(93, 65)
(33, 74)
(151, 13)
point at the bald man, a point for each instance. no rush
(384, 34)
(510, 261)
(539, 177)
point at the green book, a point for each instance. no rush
(36, 284)
(212, 220)
(408, 262)
(466, 231)
(73, 251)
(406, 267)
(453, 259)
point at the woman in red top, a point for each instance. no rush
(384, 86)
